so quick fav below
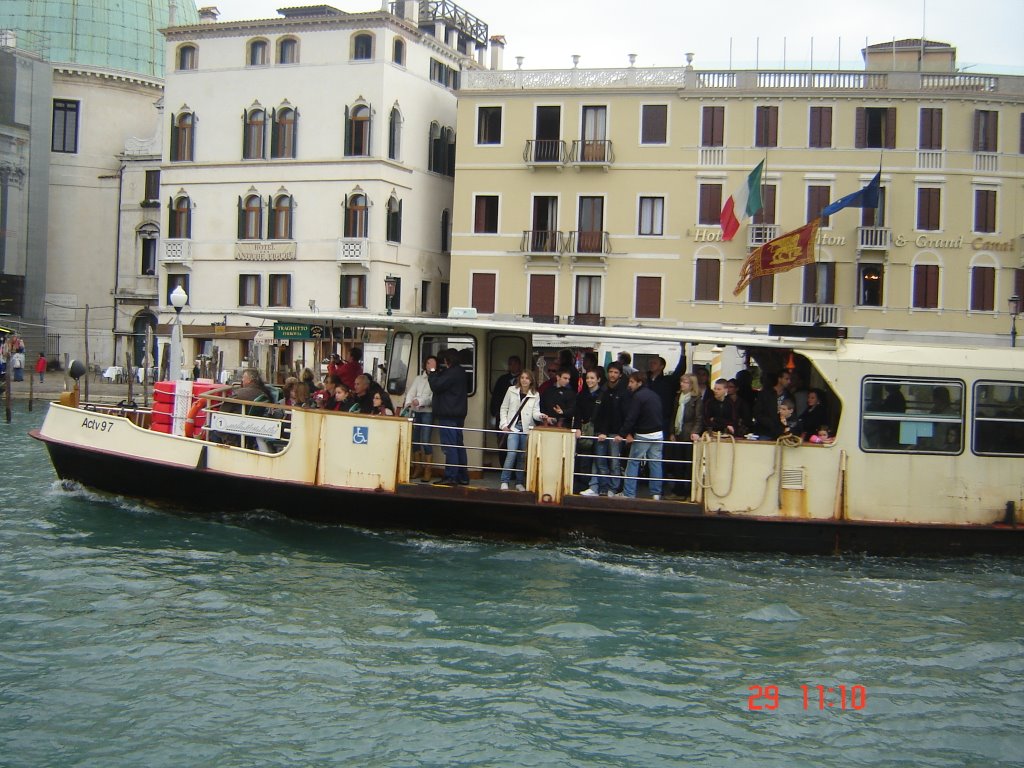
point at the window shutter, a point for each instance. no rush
(369, 130)
(241, 218)
(826, 127)
(890, 128)
(978, 123)
(246, 149)
(348, 133)
(648, 297)
(241, 290)
(992, 132)
(271, 218)
(275, 133)
(860, 129)
(542, 295)
(171, 226)
(188, 217)
(483, 292)
(399, 233)
(810, 284)
(295, 133)
(174, 138)
(450, 165)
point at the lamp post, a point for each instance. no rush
(178, 300)
(390, 286)
(1014, 304)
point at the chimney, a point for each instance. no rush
(406, 9)
(208, 14)
(452, 37)
(497, 51)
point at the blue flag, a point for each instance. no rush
(862, 198)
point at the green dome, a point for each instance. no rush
(112, 34)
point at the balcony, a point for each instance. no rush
(353, 250)
(931, 159)
(545, 152)
(816, 314)
(542, 242)
(551, 319)
(176, 251)
(874, 238)
(712, 156)
(986, 162)
(585, 318)
(759, 234)
(592, 152)
(582, 244)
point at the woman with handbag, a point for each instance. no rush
(519, 413)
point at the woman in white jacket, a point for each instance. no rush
(418, 400)
(520, 412)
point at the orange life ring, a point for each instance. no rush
(190, 420)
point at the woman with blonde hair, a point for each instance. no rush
(687, 420)
(519, 413)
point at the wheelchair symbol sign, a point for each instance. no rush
(360, 435)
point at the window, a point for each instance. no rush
(280, 294)
(820, 128)
(998, 418)
(482, 293)
(870, 284)
(357, 131)
(875, 128)
(819, 283)
(590, 238)
(182, 137)
(912, 415)
(152, 193)
(180, 222)
(282, 141)
(173, 281)
(983, 289)
(250, 218)
(712, 127)
(398, 52)
(362, 47)
(588, 295)
(542, 297)
(874, 217)
(766, 127)
(986, 130)
(652, 215)
(353, 292)
(446, 231)
(761, 290)
(255, 131)
(594, 133)
(488, 125)
(817, 199)
(930, 134)
(424, 296)
(65, 126)
(654, 124)
(545, 237)
(441, 150)
(394, 134)
(443, 74)
(710, 213)
(928, 202)
(648, 297)
(394, 216)
(248, 290)
(356, 219)
(485, 219)
(186, 58)
(288, 51)
(767, 213)
(148, 239)
(926, 286)
(442, 299)
(547, 142)
(258, 53)
(707, 280)
(984, 210)
(281, 219)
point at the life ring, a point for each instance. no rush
(190, 420)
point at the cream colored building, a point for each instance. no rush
(594, 195)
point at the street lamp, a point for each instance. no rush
(390, 286)
(1014, 304)
(178, 300)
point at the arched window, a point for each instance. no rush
(180, 220)
(283, 141)
(398, 52)
(362, 46)
(258, 53)
(434, 148)
(449, 152)
(357, 131)
(394, 214)
(255, 132)
(446, 231)
(281, 218)
(187, 57)
(149, 236)
(395, 134)
(182, 136)
(356, 219)
(288, 51)
(250, 218)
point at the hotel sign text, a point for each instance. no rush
(258, 250)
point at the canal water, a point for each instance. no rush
(130, 636)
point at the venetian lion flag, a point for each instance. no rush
(793, 249)
(742, 204)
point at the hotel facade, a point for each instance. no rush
(594, 196)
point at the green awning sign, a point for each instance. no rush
(298, 331)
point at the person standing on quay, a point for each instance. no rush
(451, 402)
(41, 366)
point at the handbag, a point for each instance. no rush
(586, 441)
(503, 436)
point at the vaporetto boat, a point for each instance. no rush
(922, 480)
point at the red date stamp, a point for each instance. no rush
(845, 697)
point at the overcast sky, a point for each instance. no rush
(988, 34)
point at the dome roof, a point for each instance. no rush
(111, 34)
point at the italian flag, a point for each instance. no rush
(742, 204)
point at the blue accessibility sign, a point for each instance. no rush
(360, 435)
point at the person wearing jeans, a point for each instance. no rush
(451, 402)
(642, 430)
(518, 414)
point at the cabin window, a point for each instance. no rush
(500, 349)
(998, 418)
(398, 363)
(910, 415)
(464, 345)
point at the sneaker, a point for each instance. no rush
(520, 487)
(588, 492)
(504, 486)
(656, 497)
(613, 493)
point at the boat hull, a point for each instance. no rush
(483, 512)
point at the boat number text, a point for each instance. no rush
(819, 697)
(98, 424)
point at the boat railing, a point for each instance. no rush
(593, 455)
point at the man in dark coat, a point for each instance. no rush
(642, 430)
(450, 387)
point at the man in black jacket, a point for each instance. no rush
(642, 431)
(451, 401)
(607, 420)
(558, 403)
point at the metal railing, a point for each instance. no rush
(603, 464)
(874, 238)
(582, 242)
(592, 152)
(759, 234)
(545, 152)
(547, 241)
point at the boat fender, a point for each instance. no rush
(190, 420)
